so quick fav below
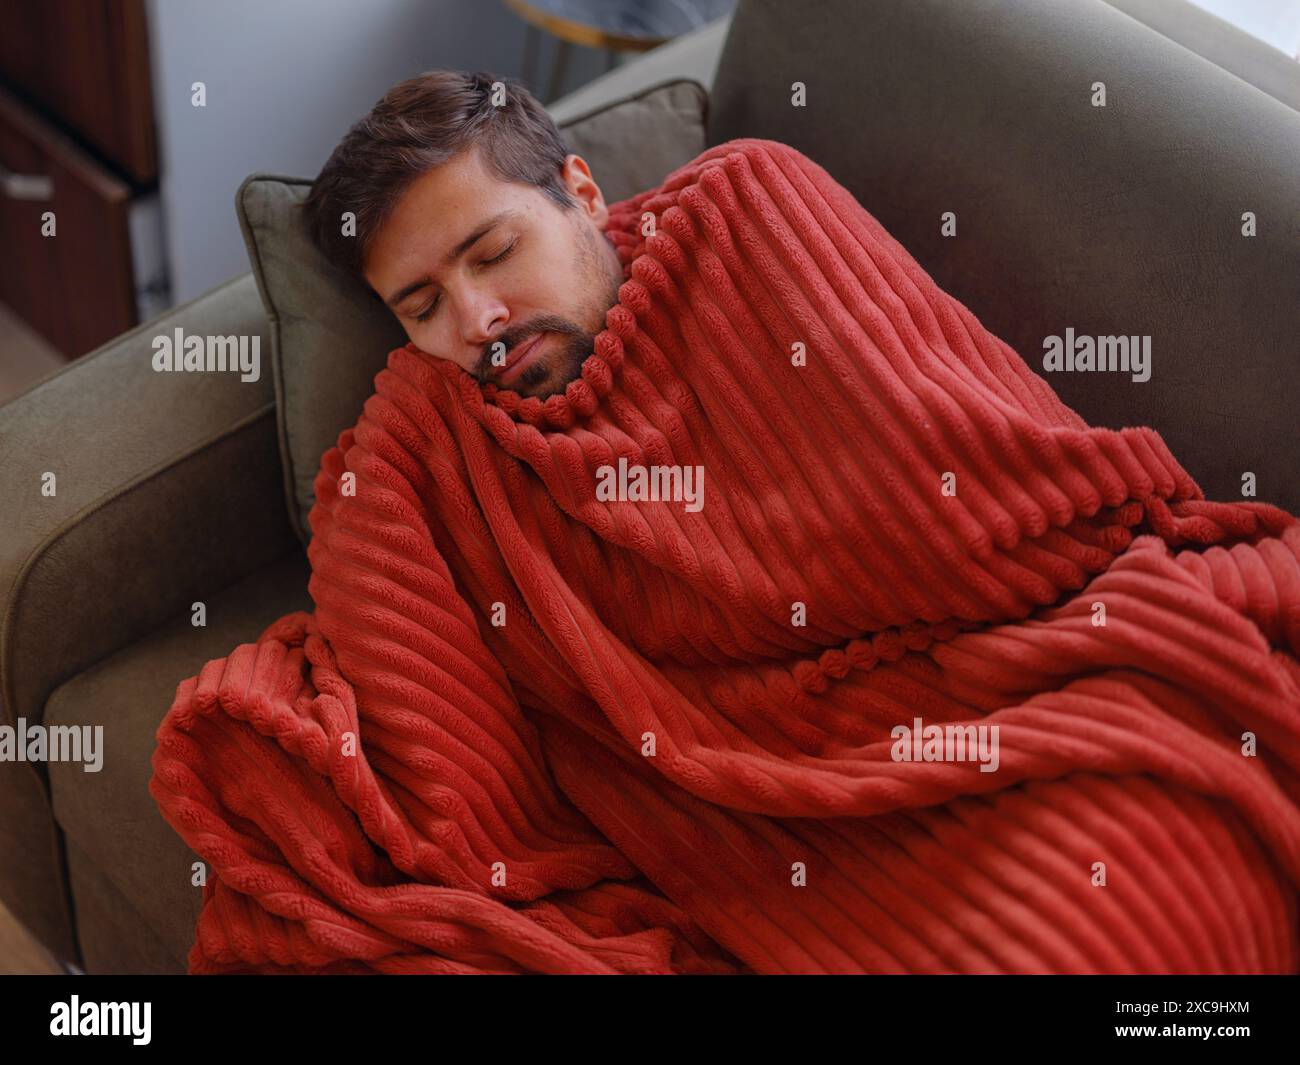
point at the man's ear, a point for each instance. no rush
(576, 175)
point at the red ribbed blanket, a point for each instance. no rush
(532, 728)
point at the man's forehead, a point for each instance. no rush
(437, 217)
(437, 204)
(463, 177)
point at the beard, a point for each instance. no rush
(602, 276)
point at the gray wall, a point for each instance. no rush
(284, 82)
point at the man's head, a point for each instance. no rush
(475, 226)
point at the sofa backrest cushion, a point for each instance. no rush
(1128, 219)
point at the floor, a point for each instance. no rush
(25, 357)
(20, 954)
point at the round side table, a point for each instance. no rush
(614, 25)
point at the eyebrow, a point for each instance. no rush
(460, 249)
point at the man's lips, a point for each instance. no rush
(520, 359)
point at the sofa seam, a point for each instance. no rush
(1206, 59)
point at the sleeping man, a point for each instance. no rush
(476, 228)
(934, 677)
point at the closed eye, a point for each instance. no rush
(505, 253)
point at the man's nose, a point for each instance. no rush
(483, 317)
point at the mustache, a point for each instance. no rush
(546, 323)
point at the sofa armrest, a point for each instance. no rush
(167, 487)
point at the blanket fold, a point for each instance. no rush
(530, 728)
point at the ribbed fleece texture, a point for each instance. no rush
(496, 812)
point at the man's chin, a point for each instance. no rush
(547, 379)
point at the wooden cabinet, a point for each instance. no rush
(77, 146)
(85, 65)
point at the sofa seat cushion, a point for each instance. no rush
(109, 814)
(114, 936)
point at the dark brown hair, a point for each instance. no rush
(420, 124)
